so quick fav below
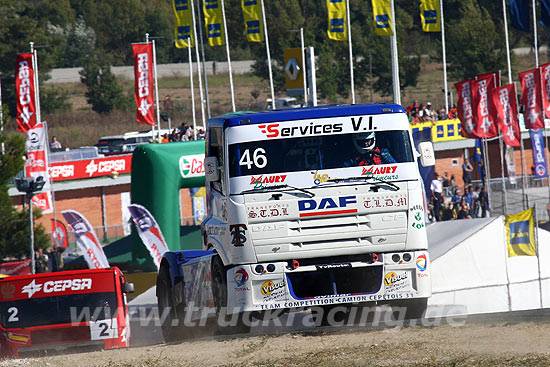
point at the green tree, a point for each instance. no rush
(14, 226)
(104, 93)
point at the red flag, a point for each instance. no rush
(24, 89)
(465, 111)
(531, 99)
(482, 106)
(544, 71)
(144, 83)
(495, 74)
(59, 233)
(506, 107)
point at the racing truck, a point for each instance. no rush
(64, 311)
(309, 207)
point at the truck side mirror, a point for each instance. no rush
(211, 170)
(427, 155)
(128, 287)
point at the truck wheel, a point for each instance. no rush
(226, 324)
(171, 320)
(414, 308)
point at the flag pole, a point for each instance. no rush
(1, 116)
(203, 59)
(198, 66)
(537, 246)
(507, 42)
(303, 65)
(153, 126)
(268, 56)
(394, 59)
(444, 57)
(350, 53)
(156, 86)
(535, 37)
(192, 88)
(503, 180)
(228, 58)
(524, 193)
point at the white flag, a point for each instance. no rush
(86, 239)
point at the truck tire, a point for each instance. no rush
(414, 308)
(171, 316)
(226, 324)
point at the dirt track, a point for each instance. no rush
(488, 345)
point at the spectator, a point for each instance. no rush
(165, 138)
(168, 106)
(463, 210)
(452, 182)
(200, 133)
(453, 113)
(428, 114)
(441, 115)
(40, 261)
(467, 172)
(55, 260)
(484, 202)
(437, 188)
(414, 110)
(455, 200)
(474, 194)
(445, 181)
(55, 144)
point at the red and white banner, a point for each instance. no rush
(495, 75)
(483, 109)
(22, 267)
(60, 237)
(531, 99)
(144, 83)
(88, 168)
(37, 165)
(465, 108)
(506, 108)
(25, 92)
(544, 71)
(149, 232)
(86, 239)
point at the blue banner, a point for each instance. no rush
(478, 157)
(519, 15)
(539, 158)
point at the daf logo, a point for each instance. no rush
(292, 69)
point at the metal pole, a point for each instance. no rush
(1, 116)
(547, 157)
(32, 233)
(507, 42)
(444, 57)
(503, 180)
(350, 53)
(537, 246)
(268, 56)
(104, 214)
(198, 66)
(152, 127)
(156, 87)
(370, 77)
(523, 170)
(487, 168)
(228, 58)
(394, 59)
(303, 65)
(203, 59)
(192, 89)
(535, 37)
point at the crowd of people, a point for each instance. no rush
(183, 133)
(51, 261)
(449, 202)
(425, 113)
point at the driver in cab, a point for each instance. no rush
(367, 152)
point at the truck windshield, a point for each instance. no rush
(58, 309)
(319, 152)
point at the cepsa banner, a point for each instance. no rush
(88, 168)
(531, 98)
(24, 89)
(144, 83)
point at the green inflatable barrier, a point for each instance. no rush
(159, 171)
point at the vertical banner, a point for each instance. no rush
(184, 23)
(531, 98)
(429, 15)
(510, 164)
(495, 75)
(144, 83)
(198, 196)
(37, 165)
(539, 159)
(253, 24)
(506, 108)
(86, 240)
(544, 71)
(25, 93)
(149, 232)
(478, 157)
(213, 22)
(519, 15)
(520, 233)
(337, 20)
(382, 17)
(465, 108)
(483, 109)
(59, 232)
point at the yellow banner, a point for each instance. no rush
(429, 14)
(252, 14)
(213, 22)
(382, 17)
(294, 77)
(184, 23)
(520, 233)
(337, 22)
(442, 130)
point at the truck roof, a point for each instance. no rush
(246, 118)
